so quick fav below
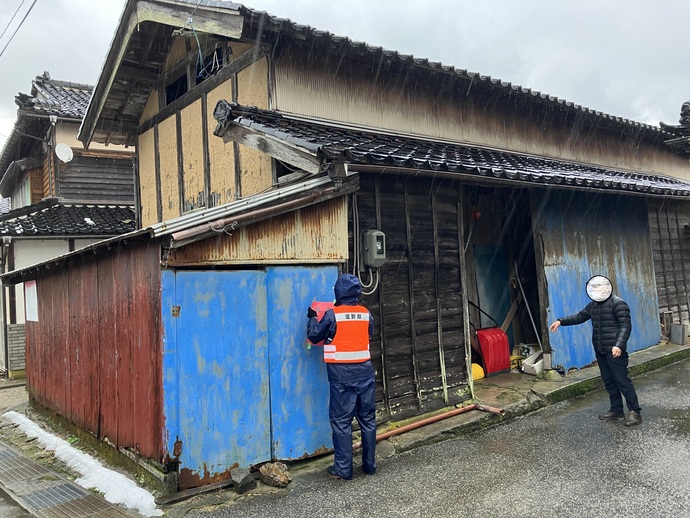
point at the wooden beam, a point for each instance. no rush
(157, 160)
(437, 283)
(138, 75)
(277, 148)
(382, 327)
(205, 150)
(180, 162)
(210, 20)
(463, 289)
(410, 281)
(211, 83)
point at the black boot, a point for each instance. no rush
(634, 418)
(610, 415)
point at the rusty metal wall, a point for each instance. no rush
(314, 234)
(94, 355)
(586, 234)
(240, 385)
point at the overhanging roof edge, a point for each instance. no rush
(167, 228)
(134, 13)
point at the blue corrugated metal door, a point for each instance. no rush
(299, 384)
(585, 235)
(216, 372)
(240, 384)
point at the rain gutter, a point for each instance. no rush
(205, 216)
(490, 179)
(184, 237)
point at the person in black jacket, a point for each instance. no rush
(611, 327)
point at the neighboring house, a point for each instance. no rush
(440, 188)
(61, 197)
(680, 132)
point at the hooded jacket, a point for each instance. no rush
(347, 292)
(611, 324)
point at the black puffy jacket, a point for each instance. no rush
(611, 325)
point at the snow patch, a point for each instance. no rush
(116, 488)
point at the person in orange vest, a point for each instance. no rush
(346, 330)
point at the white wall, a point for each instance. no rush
(28, 252)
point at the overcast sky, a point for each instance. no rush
(627, 58)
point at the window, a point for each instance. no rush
(198, 66)
(176, 89)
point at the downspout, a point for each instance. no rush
(433, 419)
(3, 313)
(52, 163)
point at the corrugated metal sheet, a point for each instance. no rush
(299, 382)
(315, 233)
(217, 370)
(94, 356)
(590, 234)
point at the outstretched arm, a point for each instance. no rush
(572, 320)
(323, 330)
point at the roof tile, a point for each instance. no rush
(61, 98)
(360, 146)
(53, 217)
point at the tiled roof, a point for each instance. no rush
(311, 36)
(681, 131)
(61, 98)
(57, 218)
(120, 90)
(359, 146)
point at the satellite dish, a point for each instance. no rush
(64, 152)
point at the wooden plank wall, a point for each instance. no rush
(419, 347)
(94, 355)
(98, 178)
(671, 252)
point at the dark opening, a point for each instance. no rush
(176, 89)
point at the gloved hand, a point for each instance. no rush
(311, 313)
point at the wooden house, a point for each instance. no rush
(268, 155)
(60, 196)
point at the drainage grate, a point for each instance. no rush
(16, 468)
(87, 507)
(52, 496)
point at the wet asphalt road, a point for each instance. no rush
(558, 462)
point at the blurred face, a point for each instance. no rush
(599, 288)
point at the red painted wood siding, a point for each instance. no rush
(94, 356)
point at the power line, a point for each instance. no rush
(11, 19)
(18, 27)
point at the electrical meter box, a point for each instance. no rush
(373, 248)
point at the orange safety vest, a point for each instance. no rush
(351, 341)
